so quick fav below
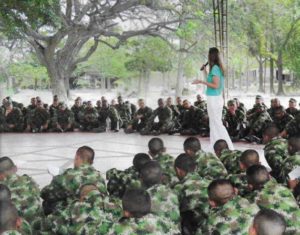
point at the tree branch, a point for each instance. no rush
(89, 52)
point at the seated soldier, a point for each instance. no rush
(208, 165)
(137, 218)
(292, 109)
(132, 108)
(24, 191)
(11, 118)
(98, 105)
(157, 151)
(275, 150)
(275, 103)
(10, 222)
(192, 194)
(235, 121)
(292, 161)
(164, 202)
(175, 112)
(179, 106)
(240, 105)
(38, 120)
(266, 193)
(63, 119)
(200, 103)
(108, 118)
(65, 187)
(123, 111)
(281, 118)
(77, 110)
(140, 118)
(229, 158)
(54, 106)
(268, 222)
(229, 214)
(292, 128)
(119, 181)
(165, 120)
(89, 117)
(248, 158)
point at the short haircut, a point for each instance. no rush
(139, 160)
(271, 131)
(220, 191)
(86, 154)
(192, 143)
(137, 202)
(6, 164)
(5, 194)
(295, 143)
(269, 222)
(184, 162)
(257, 175)
(9, 216)
(156, 145)
(219, 145)
(151, 174)
(249, 158)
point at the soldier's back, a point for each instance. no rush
(230, 159)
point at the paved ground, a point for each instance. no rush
(34, 153)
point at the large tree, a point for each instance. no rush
(58, 29)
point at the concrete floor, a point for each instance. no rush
(34, 153)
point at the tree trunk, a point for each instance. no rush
(280, 90)
(108, 84)
(59, 89)
(180, 81)
(147, 81)
(265, 75)
(140, 85)
(272, 90)
(260, 74)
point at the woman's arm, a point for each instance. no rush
(215, 84)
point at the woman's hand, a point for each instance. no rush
(197, 82)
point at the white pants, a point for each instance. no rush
(217, 129)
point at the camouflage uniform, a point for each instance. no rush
(139, 124)
(201, 104)
(15, 117)
(164, 203)
(276, 151)
(234, 217)
(64, 118)
(235, 123)
(124, 113)
(231, 159)
(37, 118)
(240, 182)
(89, 119)
(146, 225)
(165, 123)
(282, 123)
(53, 109)
(293, 127)
(78, 112)
(289, 164)
(292, 112)
(209, 166)
(65, 187)
(25, 228)
(193, 197)
(279, 198)
(111, 113)
(25, 195)
(166, 163)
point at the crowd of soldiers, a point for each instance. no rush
(182, 117)
(226, 192)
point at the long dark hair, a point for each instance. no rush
(215, 59)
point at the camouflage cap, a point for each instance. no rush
(6, 164)
(292, 100)
(258, 97)
(62, 105)
(231, 102)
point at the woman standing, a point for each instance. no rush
(215, 86)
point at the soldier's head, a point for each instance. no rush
(120, 100)
(104, 104)
(55, 100)
(89, 104)
(103, 98)
(178, 100)
(8, 104)
(7, 167)
(183, 165)
(232, 106)
(186, 104)
(191, 146)
(39, 104)
(275, 103)
(169, 101)
(249, 158)
(62, 106)
(259, 108)
(292, 103)
(161, 103)
(259, 99)
(5, 194)
(257, 177)
(33, 101)
(38, 98)
(156, 146)
(141, 103)
(140, 160)
(219, 146)
(77, 102)
(268, 222)
(294, 145)
(84, 155)
(151, 174)
(199, 98)
(85, 190)
(98, 103)
(279, 112)
(9, 219)
(269, 133)
(136, 203)
(220, 191)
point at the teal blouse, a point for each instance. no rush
(215, 71)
